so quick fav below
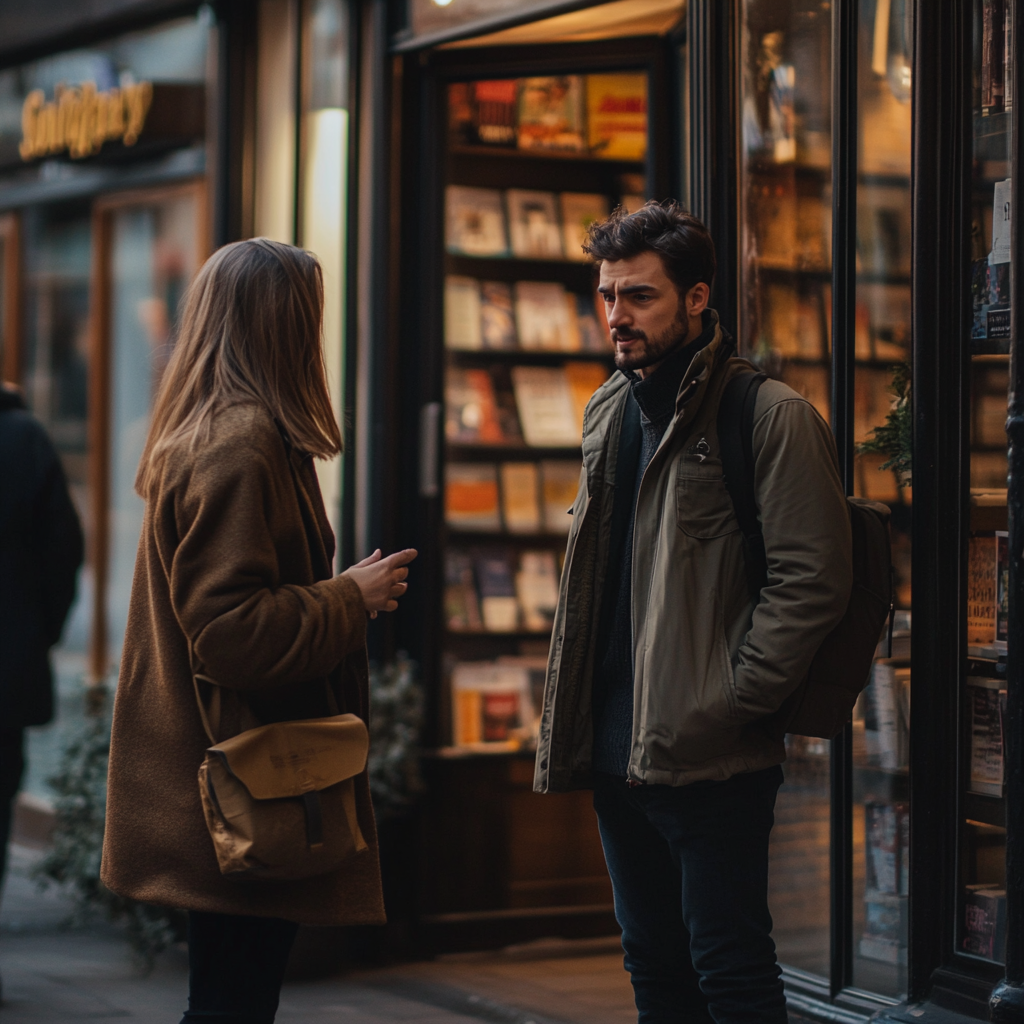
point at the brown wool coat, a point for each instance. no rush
(235, 559)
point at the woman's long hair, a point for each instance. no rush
(250, 331)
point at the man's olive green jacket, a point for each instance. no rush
(712, 672)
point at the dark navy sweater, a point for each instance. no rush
(650, 407)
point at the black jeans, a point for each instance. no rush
(235, 967)
(689, 870)
(12, 765)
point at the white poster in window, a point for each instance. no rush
(1000, 224)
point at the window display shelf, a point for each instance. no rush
(511, 268)
(526, 356)
(989, 810)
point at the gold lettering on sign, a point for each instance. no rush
(80, 119)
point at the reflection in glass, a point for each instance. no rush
(153, 257)
(784, 321)
(881, 822)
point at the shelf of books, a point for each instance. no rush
(530, 164)
(982, 927)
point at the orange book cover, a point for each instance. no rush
(584, 379)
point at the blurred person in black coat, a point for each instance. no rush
(40, 553)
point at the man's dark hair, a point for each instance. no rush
(664, 227)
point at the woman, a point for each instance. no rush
(233, 581)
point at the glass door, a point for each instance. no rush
(147, 246)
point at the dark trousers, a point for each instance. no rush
(12, 764)
(689, 871)
(235, 967)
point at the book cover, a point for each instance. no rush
(881, 841)
(475, 221)
(542, 316)
(471, 496)
(992, 54)
(886, 928)
(1002, 588)
(982, 570)
(551, 113)
(560, 481)
(537, 669)
(494, 118)
(579, 211)
(461, 129)
(461, 603)
(496, 586)
(490, 705)
(508, 415)
(537, 589)
(497, 320)
(471, 414)
(533, 224)
(520, 497)
(545, 406)
(584, 379)
(462, 313)
(882, 739)
(617, 116)
(985, 922)
(593, 337)
(986, 736)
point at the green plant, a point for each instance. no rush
(396, 717)
(895, 437)
(73, 863)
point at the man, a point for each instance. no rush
(665, 681)
(40, 553)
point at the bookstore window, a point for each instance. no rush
(531, 163)
(982, 898)
(784, 321)
(881, 725)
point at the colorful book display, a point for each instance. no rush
(551, 114)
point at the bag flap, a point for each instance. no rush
(291, 758)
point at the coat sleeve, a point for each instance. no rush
(806, 527)
(248, 629)
(60, 547)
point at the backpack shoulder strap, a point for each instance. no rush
(736, 445)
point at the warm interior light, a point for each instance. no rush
(442, 3)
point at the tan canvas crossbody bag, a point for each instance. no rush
(279, 799)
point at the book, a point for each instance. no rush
(533, 224)
(462, 313)
(593, 336)
(550, 113)
(543, 316)
(537, 589)
(497, 320)
(992, 56)
(886, 928)
(560, 481)
(537, 669)
(475, 221)
(471, 496)
(496, 586)
(461, 603)
(545, 405)
(1002, 589)
(887, 716)
(505, 405)
(982, 570)
(520, 497)
(881, 848)
(987, 741)
(461, 130)
(471, 415)
(617, 116)
(579, 211)
(494, 119)
(584, 379)
(985, 922)
(490, 704)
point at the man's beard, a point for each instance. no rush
(651, 350)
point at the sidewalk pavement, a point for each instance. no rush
(53, 975)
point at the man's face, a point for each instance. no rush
(645, 313)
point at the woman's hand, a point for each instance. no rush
(380, 580)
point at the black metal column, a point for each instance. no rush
(941, 327)
(1007, 1003)
(844, 297)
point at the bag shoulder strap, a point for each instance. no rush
(736, 445)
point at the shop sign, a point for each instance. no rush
(80, 119)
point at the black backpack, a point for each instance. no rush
(823, 703)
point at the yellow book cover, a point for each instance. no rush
(584, 379)
(617, 116)
(981, 589)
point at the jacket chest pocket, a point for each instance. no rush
(703, 506)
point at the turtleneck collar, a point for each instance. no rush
(656, 393)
